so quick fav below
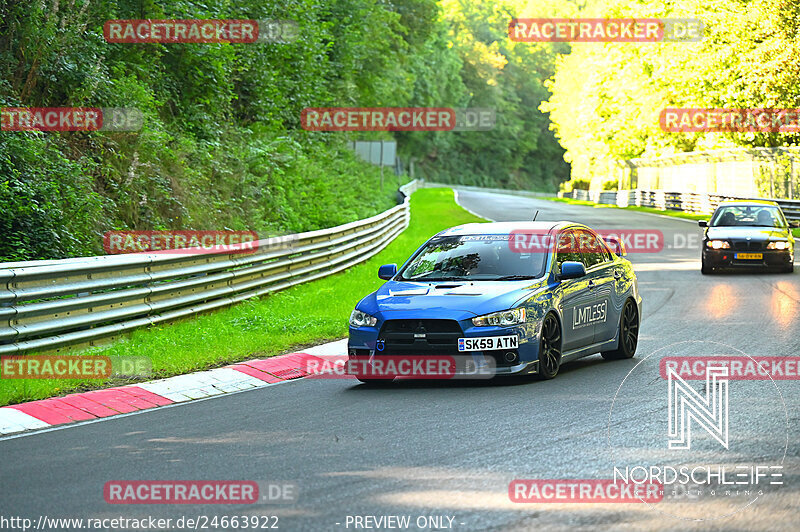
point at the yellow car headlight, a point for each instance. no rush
(782, 244)
(718, 244)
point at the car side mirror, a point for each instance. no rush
(572, 270)
(387, 271)
(702, 223)
(794, 223)
(617, 246)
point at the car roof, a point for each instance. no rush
(502, 228)
(744, 203)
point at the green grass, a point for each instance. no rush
(573, 201)
(796, 232)
(674, 214)
(287, 321)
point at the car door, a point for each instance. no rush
(576, 296)
(602, 274)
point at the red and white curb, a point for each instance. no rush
(126, 399)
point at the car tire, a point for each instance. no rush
(789, 268)
(549, 347)
(628, 333)
(704, 269)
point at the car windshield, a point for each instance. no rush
(473, 258)
(748, 215)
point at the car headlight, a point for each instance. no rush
(718, 244)
(782, 244)
(362, 319)
(503, 318)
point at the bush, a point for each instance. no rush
(48, 207)
(578, 184)
(222, 147)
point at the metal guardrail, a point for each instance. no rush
(674, 201)
(745, 172)
(72, 303)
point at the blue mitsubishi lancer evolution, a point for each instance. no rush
(525, 296)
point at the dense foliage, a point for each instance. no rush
(493, 72)
(222, 146)
(607, 97)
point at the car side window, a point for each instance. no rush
(782, 219)
(567, 249)
(603, 247)
(592, 250)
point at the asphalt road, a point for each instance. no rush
(451, 449)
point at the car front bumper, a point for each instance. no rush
(726, 258)
(401, 338)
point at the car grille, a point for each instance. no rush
(745, 245)
(403, 337)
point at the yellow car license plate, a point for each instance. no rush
(750, 256)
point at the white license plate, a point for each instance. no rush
(488, 343)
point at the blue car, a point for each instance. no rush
(525, 296)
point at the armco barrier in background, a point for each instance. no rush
(52, 304)
(674, 201)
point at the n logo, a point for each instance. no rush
(686, 405)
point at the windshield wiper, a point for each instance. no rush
(432, 279)
(513, 278)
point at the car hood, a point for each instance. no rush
(756, 234)
(464, 298)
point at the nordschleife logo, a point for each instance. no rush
(687, 407)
